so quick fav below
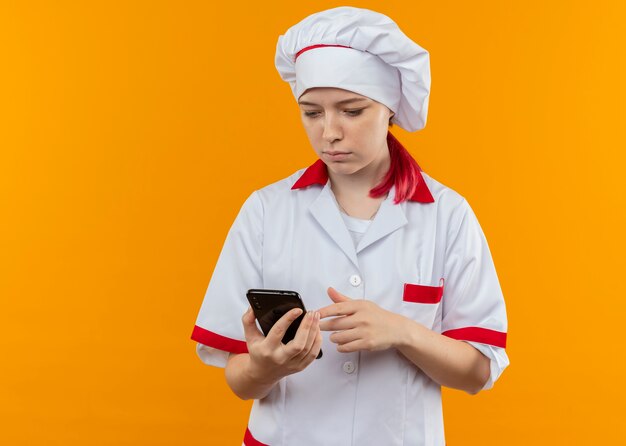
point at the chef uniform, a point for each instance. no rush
(425, 258)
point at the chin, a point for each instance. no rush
(342, 168)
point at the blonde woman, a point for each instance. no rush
(394, 264)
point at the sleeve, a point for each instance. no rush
(473, 305)
(218, 329)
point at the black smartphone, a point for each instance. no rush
(271, 305)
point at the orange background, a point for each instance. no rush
(131, 133)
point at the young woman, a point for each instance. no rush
(395, 263)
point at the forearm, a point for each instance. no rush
(447, 361)
(243, 381)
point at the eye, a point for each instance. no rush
(354, 112)
(311, 114)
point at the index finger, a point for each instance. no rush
(279, 329)
(339, 309)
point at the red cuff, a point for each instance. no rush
(220, 342)
(477, 334)
(249, 440)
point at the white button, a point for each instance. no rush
(348, 367)
(355, 280)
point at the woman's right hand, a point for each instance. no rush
(270, 359)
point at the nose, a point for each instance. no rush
(332, 128)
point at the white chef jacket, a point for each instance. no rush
(426, 259)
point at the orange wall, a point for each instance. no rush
(131, 132)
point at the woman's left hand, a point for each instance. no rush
(361, 324)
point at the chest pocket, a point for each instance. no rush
(422, 303)
(422, 294)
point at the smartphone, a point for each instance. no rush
(271, 305)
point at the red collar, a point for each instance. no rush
(317, 173)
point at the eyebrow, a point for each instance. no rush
(345, 101)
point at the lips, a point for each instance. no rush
(336, 156)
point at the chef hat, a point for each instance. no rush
(361, 51)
